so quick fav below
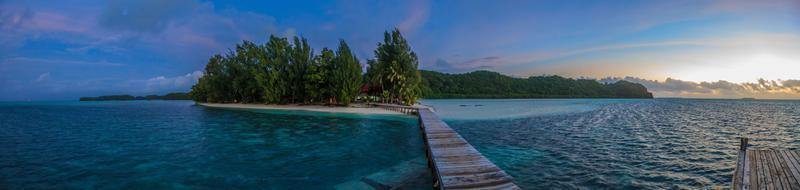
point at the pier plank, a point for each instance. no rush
(746, 172)
(772, 179)
(762, 180)
(777, 170)
(792, 166)
(753, 171)
(787, 170)
(767, 169)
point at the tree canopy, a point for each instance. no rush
(393, 74)
(281, 72)
(487, 84)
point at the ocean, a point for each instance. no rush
(542, 143)
(621, 144)
(179, 145)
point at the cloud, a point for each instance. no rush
(740, 57)
(328, 26)
(144, 15)
(416, 18)
(108, 47)
(43, 77)
(161, 83)
(50, 62)
(767, 89)
(184, 27)
(744, 5)
(45, 88)
(448, 67)
(14, 18)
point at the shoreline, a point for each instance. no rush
(313, 108)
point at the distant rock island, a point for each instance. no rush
(170, 96)
(488, 84)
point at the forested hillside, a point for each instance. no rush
(487, 84)
(170, 96)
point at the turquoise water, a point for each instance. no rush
(621, 144)
(489, 109)
(175, 144)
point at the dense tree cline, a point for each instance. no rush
(288, 72)
(282, 72)
(487, 84)
(170, 96)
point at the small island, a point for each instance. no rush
(281, 72)
(170, 96)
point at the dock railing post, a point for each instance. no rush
(743, 143)
(741, 177)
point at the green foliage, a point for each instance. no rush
(276, 68)
(393, 74)
(214, 85)
(281, 72)
(347, 74)
(302, 59)
(325, 86)
(487, 84)
(246, 89)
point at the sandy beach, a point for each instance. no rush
(317, 108)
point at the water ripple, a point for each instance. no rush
(636, 144)
(175, 145)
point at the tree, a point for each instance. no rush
(395, 70)
(346, 77)
(212, 86)
(275, 79)
(243, 66)
(301, 61)
(326, 67)
(487, 84)
(283, 72)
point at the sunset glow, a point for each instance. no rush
(65, 50)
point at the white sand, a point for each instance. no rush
(316, 108)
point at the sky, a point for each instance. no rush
(62, 50)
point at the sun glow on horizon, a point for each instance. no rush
(741, 69)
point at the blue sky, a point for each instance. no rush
(61, 50)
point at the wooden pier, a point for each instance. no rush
(455, 163)
(398, 108)
(766, 169)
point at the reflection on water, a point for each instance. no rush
(173, 144)
(483, 109)
(632, 144)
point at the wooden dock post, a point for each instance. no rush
(743, 143)
(741, 178)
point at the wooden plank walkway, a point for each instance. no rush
(455, 163)
(397, 108)
(766, 169)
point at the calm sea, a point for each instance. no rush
(544, 144)
(621, 144)
(177, 145)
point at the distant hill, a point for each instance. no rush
(487, 84)
(170, 96)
